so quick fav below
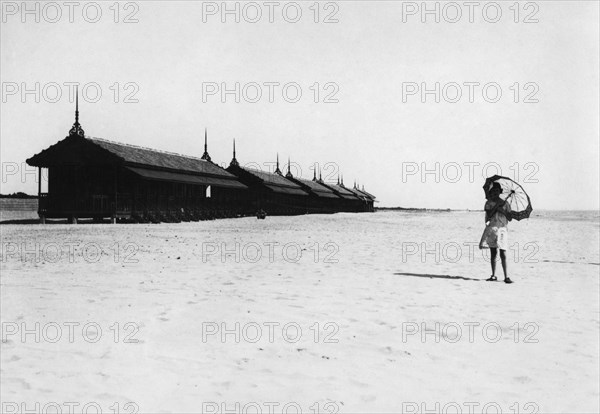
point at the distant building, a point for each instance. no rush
(270, 192)
(322, 199)
(351, 202)
(371, 199)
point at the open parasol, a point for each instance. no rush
(513, 193)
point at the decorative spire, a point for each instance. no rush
(205, 156)
(320, 175)
(315, 174)
(234, 161)
(277, 170)
(289, 173)
(363, 187)
(342, 182)
(338, 181)
(76, 129)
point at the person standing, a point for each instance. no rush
(495, 234)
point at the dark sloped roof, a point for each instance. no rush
(356, 193)
(272, 178)
(131, 155)
(287, 190)
(341, 190)
(186, 178)
(150, 157)
(318, 188)
(276, 182)
(368, 195)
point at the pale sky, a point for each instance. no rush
(367, 58)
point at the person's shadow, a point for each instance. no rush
(430, 276)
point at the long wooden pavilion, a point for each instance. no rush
(349, 201)
(365, 204)
(96, 178)
(322, 199)
(370, 198)
(270, 192)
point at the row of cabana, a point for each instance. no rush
(96, 178)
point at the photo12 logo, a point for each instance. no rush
(68, 332)
(470, 12)
(471, 92)
(269, 92)
(270, 407)
(467, 407)
(270, 11)
(68, 252)
(269, 332)
(253, 252)
(21, 172)
(69, 12)
(453, 252)
(453, 172)
(67, 407)
(452, 332)
(54, 92)
(328, 171)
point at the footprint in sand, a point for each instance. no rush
(359, 383)
(522, 379)
(24, 383)
(368, 398)
(387, 350)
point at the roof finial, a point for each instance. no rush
(320, 175)
(338, 181)
(205, 156)
(363, 187)
(76, 129)
(277, 170)
(289, 173)
(342, 182)
(315, 174)
(234, 161)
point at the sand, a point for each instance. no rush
(368, 293)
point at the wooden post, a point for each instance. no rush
(40, 213)
(114, 217)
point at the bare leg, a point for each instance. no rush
(504, 266)
(493, 253)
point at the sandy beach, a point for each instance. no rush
(351, 313)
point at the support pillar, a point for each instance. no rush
(40, 214)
